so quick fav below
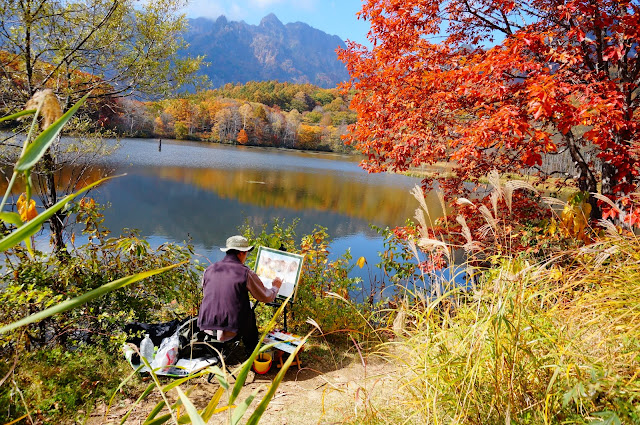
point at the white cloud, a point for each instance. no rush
(236, 12)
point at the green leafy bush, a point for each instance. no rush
(56, 383)
(102, 259)
(320, 279)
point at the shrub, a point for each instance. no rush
(56, 383)
(525, 341)
(34, 283)
(320, 279)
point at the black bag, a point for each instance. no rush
(194, 343)
(157, 332)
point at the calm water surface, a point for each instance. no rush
(206, 192)
(202, 193)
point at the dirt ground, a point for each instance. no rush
(325, 390)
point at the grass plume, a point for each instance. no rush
(532, 341)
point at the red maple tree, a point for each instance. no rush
(498, 84)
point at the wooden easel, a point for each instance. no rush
(277, 304)
(280, 356)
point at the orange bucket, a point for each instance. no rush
(262, 363)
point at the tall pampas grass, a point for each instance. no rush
(531, 342)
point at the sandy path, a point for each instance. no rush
(323, 391)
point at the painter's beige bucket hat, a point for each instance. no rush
(237, 242)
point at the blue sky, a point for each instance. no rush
(335, 17)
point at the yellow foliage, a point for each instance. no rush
(27, 211)
(575, 217)
(309, 136)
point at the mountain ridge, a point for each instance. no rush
(238, 52)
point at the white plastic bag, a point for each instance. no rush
(167, 354)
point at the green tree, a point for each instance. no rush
(108, 46)
(112, 48)
(336, 105)
(180, 130)
(313, 117)
(302, 102)
(323, 96)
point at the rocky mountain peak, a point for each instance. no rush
(271, 21)
(222, 20)
(238, 52)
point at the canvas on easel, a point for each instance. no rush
(272, 263)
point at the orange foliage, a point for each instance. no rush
(243, 138)
(564, 78)
(218, 116)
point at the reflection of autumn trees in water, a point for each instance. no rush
(68, 179)
(294, 190)
(297, 190)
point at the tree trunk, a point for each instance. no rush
(27, 49)
(56, 222)
(587, 182)
(609, 172)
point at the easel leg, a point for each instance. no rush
(281, 359)
(285, 319)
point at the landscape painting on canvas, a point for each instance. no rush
(271, 263)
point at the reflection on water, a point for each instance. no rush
(206, 192)
(296, 190)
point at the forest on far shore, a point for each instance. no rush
(269, 113)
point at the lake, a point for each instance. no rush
(205, 192)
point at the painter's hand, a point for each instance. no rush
(277, 283)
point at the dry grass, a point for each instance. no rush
(529, 343)
(532, 344)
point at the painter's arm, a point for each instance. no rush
(258, 290)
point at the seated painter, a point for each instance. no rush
(226, 311)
